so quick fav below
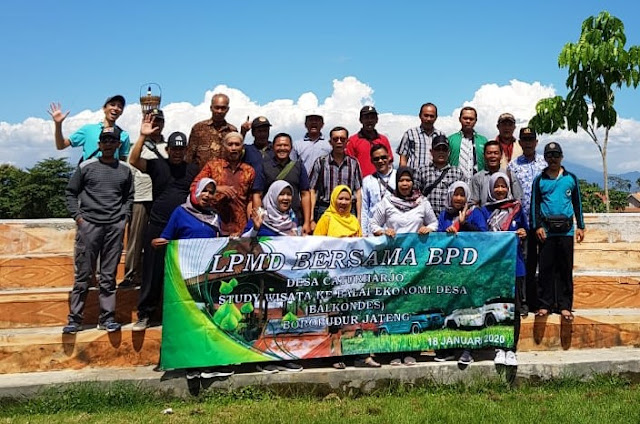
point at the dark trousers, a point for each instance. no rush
(93, 240)
(135, 242)
(516, 314)
(555, 283)
(152, 273)
(531, 257)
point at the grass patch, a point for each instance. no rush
(605, 399)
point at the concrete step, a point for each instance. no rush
(50, 307)
(613, 257)
(46, 349)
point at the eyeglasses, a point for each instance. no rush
(379, 158)
(555, 155)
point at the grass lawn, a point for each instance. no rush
(603, 400)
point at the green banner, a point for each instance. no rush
(230, 301)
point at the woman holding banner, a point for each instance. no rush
(504, 213)
(277, 218)
(459, 215)
(337, 221)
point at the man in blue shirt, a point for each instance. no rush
(555, 200)
(87, 136)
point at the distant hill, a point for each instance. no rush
(595, 176)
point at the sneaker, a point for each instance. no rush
(289, 367)
(110, 326)
(409, 360)
(71, 328)
(524, 311)
(219, 372)
(141, 324)
(443, 357)
(500, 357)
(465, 358)
(267, 369)
(511, 359)
(193, 374)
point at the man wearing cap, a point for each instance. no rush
(99, 197)
(359, 144)
(467, 145)
(205, 140)
(434, 178)
(260, 131)
(87, 136)
(313, 145)
(510, 149)
(280, 166)
(555, 201)
(480, 182)
(171, 178)
(522, 171)
(415, 146)
(142, 200)
(235, 185)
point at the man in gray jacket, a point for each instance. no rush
(99, 197)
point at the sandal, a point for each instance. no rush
(542, 312)
(567, 315)
(366, 363)
(339, 365)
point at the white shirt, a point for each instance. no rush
(388, 216)
(373, 191)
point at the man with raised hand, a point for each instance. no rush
(88, 135)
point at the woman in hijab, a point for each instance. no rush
(193, 220)
(459, 215)
(405, 211)
(504, 213)
(337, 220)
(277, 218)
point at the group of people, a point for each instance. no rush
(214, 184)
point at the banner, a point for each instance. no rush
(230, 301)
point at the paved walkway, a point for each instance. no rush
(539, 365)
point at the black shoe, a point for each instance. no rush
(127, 284)
(71, 328)
(465, 358)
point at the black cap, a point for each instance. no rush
(552, 147)
(260, 121)
(116, 97)
(438, 140)
(367, 110)
(177, 139)
(527, 133)
(110, 133)
(506, 117)
(157, 113)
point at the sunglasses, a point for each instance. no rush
(379, 158)
(338, 138)
(109, 141)
(555, 155)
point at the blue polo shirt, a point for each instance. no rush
(87, 137)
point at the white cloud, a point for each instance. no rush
(27, 142)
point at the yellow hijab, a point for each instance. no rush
(341, 225)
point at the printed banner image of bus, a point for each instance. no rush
(231, 301)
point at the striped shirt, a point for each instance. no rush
(416, 146)
(327, 174)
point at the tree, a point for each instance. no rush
(42, 191)
(591, 196)
(11, 179)
(619, 183)
(598, 63)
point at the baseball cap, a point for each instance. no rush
(110, 133)
(260, 121)
(157, 113)
(177, 139)
(527, 133)
(116, 97)
(439, 140)
(506, 117)
(552, 147)
(367, 110)
(314, 114)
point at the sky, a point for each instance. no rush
(284, 59)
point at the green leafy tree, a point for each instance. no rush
(619, 183)
(11, 179)
(42, 191)
(598, 64)
(591, 196)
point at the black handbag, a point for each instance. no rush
(559, 223)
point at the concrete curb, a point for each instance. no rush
(545, 365)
